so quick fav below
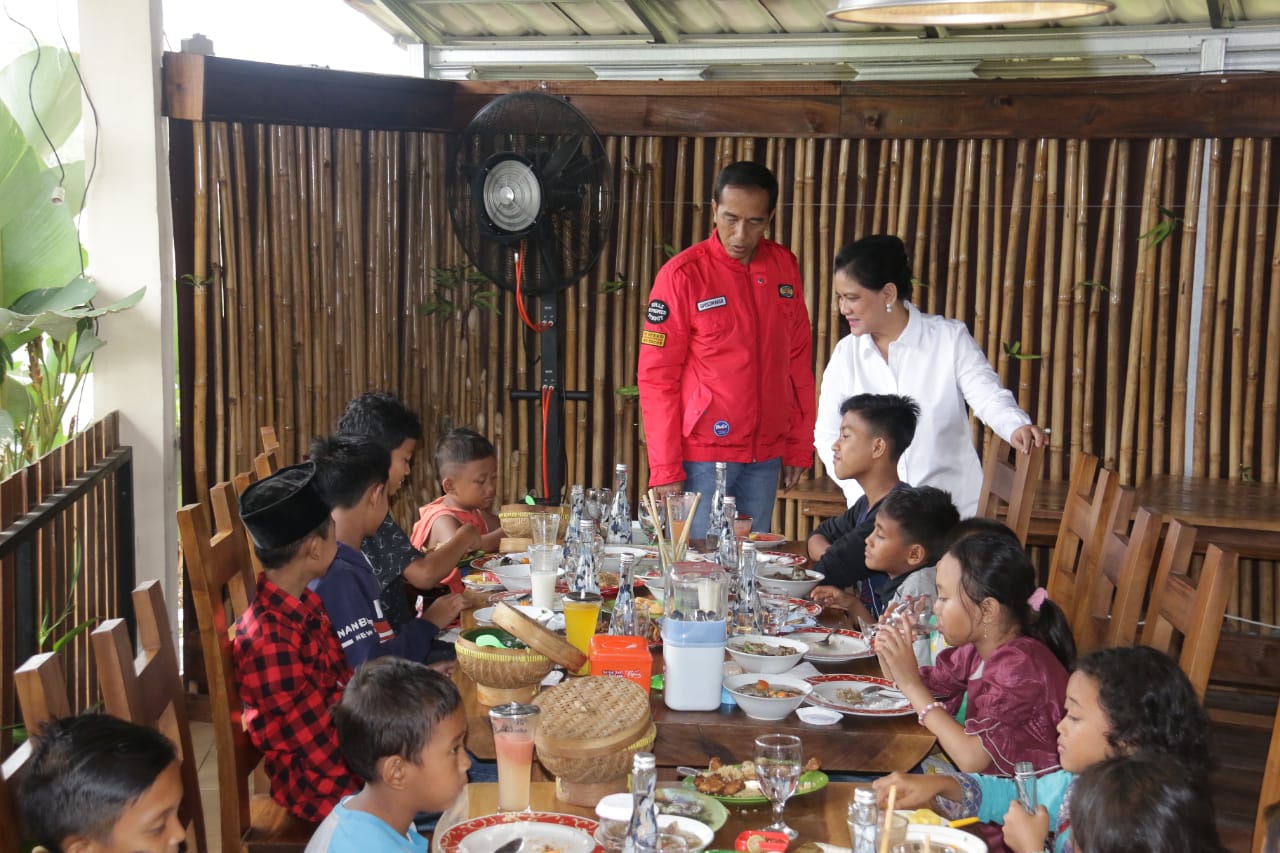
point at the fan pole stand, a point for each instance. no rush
(553, 378)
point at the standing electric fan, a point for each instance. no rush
(531, 197)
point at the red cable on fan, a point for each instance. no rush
(524, 315)
(547, 391)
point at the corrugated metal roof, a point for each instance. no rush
(779, 38)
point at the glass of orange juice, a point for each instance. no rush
(581, 614)
(514, 726)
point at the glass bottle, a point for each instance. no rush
(1024, 778)
(727, 555)
(644, 802)
(619, 525)
(864, 821)
(622, 621)
(576, 500)
(746, 618)
(586, 553)
(715, 518)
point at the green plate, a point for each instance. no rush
(814, 780)
(708, 811)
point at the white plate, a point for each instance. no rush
(816, 716)
(944, 836)
(483, 616)
(541, 831)
(889, 703)
(845, 646)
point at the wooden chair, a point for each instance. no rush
(271, 446)
(1270, 793)
(148, 690)
(1109, 597)
(1088, 506)
(265, 464)
(1010, 486)
(1192, 610)
(42, 695)
(222, 585)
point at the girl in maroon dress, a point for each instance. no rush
(1010, 649)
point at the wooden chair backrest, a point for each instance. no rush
(1109, 597)
(1009, 488)
(1092, 495)
(271, 445)
(42, 695)
(147, 690)
(239, 483)
(1192, 610)
(1270, 794)
(222, 585)
(265, 464)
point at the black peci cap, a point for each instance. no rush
(283, 508)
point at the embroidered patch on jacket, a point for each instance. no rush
(658, 312)
(786, 291)
(713, 302)
(721, 428)
(653, 339)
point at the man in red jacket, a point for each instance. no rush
(726, 372)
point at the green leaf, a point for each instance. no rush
(79, 628)
(669, 250)
(529, 499)
(1095, 284)
(55, 91)
(613, 286)
(628, 391)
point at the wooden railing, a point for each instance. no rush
(66, 545)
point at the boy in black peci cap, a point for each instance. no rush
(289, 666)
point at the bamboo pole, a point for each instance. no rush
(1047, 291)
(823, 306)
(1136, 362)
(1095, 293)
(1031, 273)
(890, 201)
(1222, 308)
(920, 239)
(935, 227)
(861, 190)
(1178, 463)
(1271, 378)
(904, 199)
(1079, 299)
(997, 255)
(200, 300)
(984, 311)
(1235, 430)
(1114, 332)
(1008, 288)
(882, 176)
(1253, 365)
(1163, 290)
(1063, 313)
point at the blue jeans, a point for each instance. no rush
(753, 484)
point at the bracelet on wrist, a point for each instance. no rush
(924, 712)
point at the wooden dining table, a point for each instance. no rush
(821, 815)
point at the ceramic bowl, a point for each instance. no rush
(795, 589)
(766, 664)
(764, 708)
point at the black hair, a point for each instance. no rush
(275, 558)
(380, 416)
(995, 566)
(391, 707)
(459, 446)
(875, 261)
(892, 417)
(83, 772)
(979, 524)
(748, 175)
(924, 514)
(1142, 804)
(346, 466)
(1150, 704)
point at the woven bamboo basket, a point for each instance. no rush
(515, 519)
(588, 731)
(500, 675)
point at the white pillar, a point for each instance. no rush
(129, 238)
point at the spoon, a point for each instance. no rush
(688, 771)
(826, 641)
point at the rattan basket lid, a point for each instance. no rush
(538, 638)
(596, 715)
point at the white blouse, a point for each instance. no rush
(936, 362)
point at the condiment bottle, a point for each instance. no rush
(619, 523)
(715, 518)
(623, 618)
(727, 551)
(864, 821)
(1024, 777)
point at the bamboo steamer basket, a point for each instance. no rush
(501, 675)
(588, 731)
(515, 519)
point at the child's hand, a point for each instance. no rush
(1025, 833)
(444, 610)
(915, 790)
(467, 538)
(831, 596)
(896, 654)
(490, 541)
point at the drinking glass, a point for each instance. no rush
(648, 523)
(543, 527)
(514, 725)
(742, 527)
(679, 513)
(775, 607)
(581, 614)
(596, 504)
(897, 832)
(778, 761)
(544, 563)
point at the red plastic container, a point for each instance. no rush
(628, 657)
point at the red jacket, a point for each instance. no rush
(726, 370)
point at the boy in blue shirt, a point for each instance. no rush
(352, 474)
(401, 727)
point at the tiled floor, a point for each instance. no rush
(207, 764)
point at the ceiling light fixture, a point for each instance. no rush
(960, 13)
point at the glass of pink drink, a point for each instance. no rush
(514, 725)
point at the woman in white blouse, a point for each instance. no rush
(893, 348)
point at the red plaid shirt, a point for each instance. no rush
(291, 671)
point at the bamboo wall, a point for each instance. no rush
(314, 249)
